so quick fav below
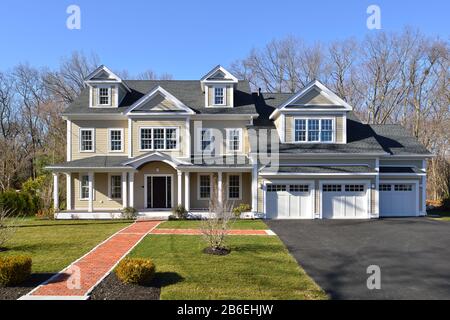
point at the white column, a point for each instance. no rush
(255, 188)
(376, 212)
(69, 140)
(130, 138)
(219, 187)
(55, 192)
(186, 191)
(124, 190)
(131, 183)
(424, 188)
(91, 191)
(68, 191)
(179, 182)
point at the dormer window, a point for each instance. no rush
(104, 96)
(313, 130)
(219, 96)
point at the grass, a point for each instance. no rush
(54, 244)
(195, 224)
(441, 214)
(257, 268)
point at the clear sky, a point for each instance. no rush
(187, 38)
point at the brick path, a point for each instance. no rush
(83, 275)
(234, 232)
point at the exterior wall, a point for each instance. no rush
(220, 125)
(101, 137)
(178, 123)
(153, 168)
(101, 199)
(313, 97)
(338, 130)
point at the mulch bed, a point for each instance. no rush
(14, 293)
(112, 288)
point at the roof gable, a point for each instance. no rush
(103, 75)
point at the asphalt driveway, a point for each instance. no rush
(413, 255)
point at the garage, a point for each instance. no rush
(347, 200)
(398, 199)
(289, 200)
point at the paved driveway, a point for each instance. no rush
(413, 254)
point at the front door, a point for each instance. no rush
(159, 192)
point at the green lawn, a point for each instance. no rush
(195, 224)
(54, 244)
(257, 268)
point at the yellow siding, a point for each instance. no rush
(101, 199)
(313, 97)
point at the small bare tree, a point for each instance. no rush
(215, 227)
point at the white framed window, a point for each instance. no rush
(219, 96)
(115, 186)
(234, 187)
(104, 96)
(115, 140)
(206, 140)
(234, 140)
(84, 187)
(158, 138)
(204, 186)
(87, 140)
(311, 130)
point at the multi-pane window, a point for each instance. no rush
(234, 187)
(300, 130)
(115, 140)
(219, 96)
(206, 142)
(299, 188)
(354, 187)
(234, 139)
(104, 96)
(159, 138)
(205, 187)
(313, 130)
(86, 139)
(116, 187)
(332, 188)
(276, 187)
(84, 187)
(403, 187)
(385, 187)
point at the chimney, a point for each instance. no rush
(259, 92)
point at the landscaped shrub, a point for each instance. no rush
(243, 207)
(135, 270)
(180, 212)
(446, 204)
(129, 213)
(14, 270)
(21, 203)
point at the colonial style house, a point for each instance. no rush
(155, 144)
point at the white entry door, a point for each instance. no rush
(289, 201)
(398, 199)
(344, 201)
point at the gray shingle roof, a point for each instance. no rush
(93, 162)
(320, 169)
(187, 91)
(223, 161)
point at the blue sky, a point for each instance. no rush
(187, 38)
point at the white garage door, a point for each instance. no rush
(344, 201)
(398, 200)
(289, 201)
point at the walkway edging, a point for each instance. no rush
(198, 232)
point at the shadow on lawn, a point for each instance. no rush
(72, 224)
(164, 279)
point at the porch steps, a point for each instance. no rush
(152, 218)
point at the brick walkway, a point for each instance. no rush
(196, 232)
(77, 280)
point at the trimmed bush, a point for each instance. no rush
(14, 270)
(129, 213)
(243, 207)
(180, 212)
(135, 270)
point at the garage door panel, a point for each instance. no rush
(293, 201)
(344, 201)
(398, 199)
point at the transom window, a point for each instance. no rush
(205, 186)
(115, 140)
(206, 140)
(86, 140)
(299, 188)
(234, 187)
(219, 96)
(354, 187)
(84, 187)
(403, 187)
(332, 188)
(276, 187)
(104, 96)
(234, 140)
(116, 187)
(313, 130)
(159, 138)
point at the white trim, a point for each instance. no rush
(68, 191)
(239, 174)
(146, 176)
(210, 185)
(187, 137)
(217, 68)
(155, 156)
(341, 182)
(93, 140)
(224, 97)
(187, 194)
(124, 190)
(55, 192)
(113, 77)
(69, 140)
(109, 104)
(227, 140)
(177, 129)
(255, 187)
(179, 187)
(122, 140)
(131, 184)
(316, 174)
(283, 128)
(80, 175)
(344, 129)
(320, 118)
(198, 143)
(118, 174)
(91, 191)
(130, 138)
